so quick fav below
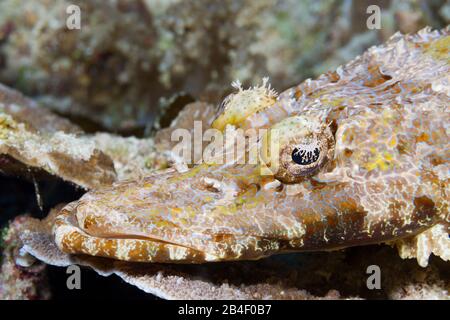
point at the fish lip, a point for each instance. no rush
(209, 242)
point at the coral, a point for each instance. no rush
(21, 276)
(133, 158)
(434, 240)
(35, 139)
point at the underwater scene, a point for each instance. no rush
(224, 150)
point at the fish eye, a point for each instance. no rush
(305, 146)
(300, 160)
(305, 155)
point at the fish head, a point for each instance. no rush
(331, 163)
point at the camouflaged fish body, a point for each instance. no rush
(378, 132)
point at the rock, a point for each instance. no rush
(22, 277)
(133, 158)
(34, 139)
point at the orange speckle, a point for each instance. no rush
(424, 137)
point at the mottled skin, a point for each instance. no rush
(387, 176)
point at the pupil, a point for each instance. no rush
(305, 157)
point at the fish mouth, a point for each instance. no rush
(161, 219)
(215, 214)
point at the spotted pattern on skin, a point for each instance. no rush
(387, 178)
